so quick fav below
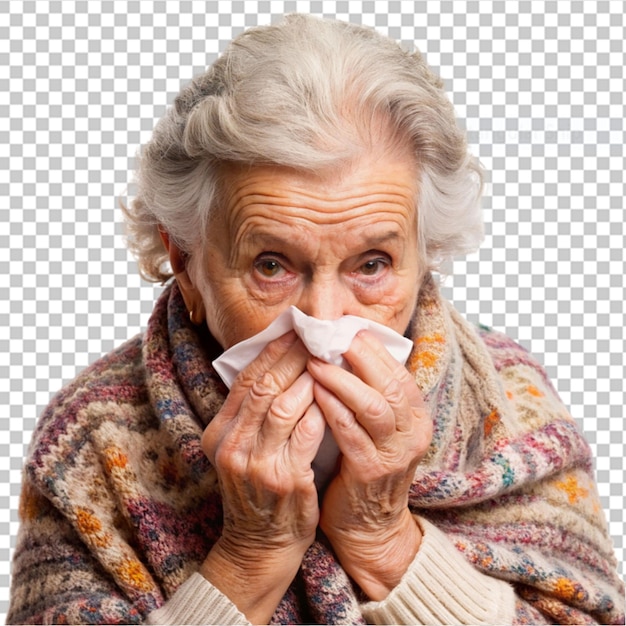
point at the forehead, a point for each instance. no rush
(371, 189)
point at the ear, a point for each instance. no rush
(189, 291)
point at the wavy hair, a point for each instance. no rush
(303, 93)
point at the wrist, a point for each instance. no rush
(254, 581)
(378, 563)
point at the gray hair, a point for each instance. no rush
(303, 93)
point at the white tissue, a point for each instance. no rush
(325, 339)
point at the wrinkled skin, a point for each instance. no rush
(343, 244)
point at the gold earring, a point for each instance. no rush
(191, 316)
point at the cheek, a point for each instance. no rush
(401, 311)
(230, 321)
(231, 315)
(399, 302)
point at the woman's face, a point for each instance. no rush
(345, 244)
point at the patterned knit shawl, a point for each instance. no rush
(120, 505)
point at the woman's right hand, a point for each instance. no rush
(262, 443)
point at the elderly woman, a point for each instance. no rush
(319, 166)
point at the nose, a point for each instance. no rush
(327, 298)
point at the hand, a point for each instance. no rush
(262, 443)
(381, 425)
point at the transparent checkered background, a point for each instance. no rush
(539, 86)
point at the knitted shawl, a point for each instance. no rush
(120, 506)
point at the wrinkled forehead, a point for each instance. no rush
(375, 187)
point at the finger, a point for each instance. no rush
(307, 435)
(285, 411)
(371, 362)
(351, 437)
(271, 384)
(273, 352)
(248, 400)
(352, 399)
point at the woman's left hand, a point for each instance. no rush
(381, 425)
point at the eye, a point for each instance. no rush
(268, 267)
(371, 267)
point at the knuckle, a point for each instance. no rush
(244, 380)
(377, 406)
(425, 440)
(393, 391)
(212, 437)
(282, 408)
(266, 385)
(418, 443)
(228, 459)
(344, 419)
(208, 443)
(208, 436)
